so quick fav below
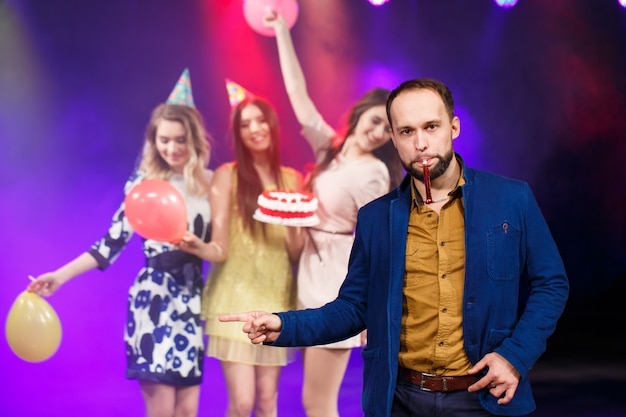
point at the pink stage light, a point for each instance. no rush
(377, 2)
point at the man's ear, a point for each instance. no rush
(456, 127)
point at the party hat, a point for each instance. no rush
(181, 94)
(236, 93)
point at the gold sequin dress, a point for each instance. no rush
(257, 275)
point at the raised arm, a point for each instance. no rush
(293, 77)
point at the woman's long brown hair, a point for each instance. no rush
(249, 184)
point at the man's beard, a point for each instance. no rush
(435, 171)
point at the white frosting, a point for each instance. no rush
(290, 202)
(308, 221)
(287, 202)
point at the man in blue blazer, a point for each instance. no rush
(435, 275)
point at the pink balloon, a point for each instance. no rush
(255, 10)
(157, 211)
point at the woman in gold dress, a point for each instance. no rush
(252, 262)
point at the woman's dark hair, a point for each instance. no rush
(249, 185)
(386, 153)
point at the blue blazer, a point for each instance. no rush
(508, 244)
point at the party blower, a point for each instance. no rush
(33, 329)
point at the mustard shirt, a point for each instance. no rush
(431, 339)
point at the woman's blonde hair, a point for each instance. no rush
(196, 138)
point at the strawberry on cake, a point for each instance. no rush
(287, 208)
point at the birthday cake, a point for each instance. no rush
(287, 208)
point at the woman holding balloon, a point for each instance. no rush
(169, 190)
(353, 166)
(251, 261)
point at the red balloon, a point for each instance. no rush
(255, 10)
(157, 211)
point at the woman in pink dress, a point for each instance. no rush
(351, 170)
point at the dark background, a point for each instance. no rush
(540, 89)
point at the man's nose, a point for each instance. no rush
(420, 140)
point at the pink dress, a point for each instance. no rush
(344, 187)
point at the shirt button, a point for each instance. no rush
(444, 276)
(444, 310)
(443, 243)
(440, 344)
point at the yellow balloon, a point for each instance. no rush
(33, 329)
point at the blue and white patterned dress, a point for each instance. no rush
(164, 339)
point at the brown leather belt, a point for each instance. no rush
(431, 382)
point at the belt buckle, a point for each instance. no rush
(424, 376)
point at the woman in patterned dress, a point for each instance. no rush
(353, 167)
(251, 261)
(164, 340)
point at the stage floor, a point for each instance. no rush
(571, 387)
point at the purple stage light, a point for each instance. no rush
(506, 3)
